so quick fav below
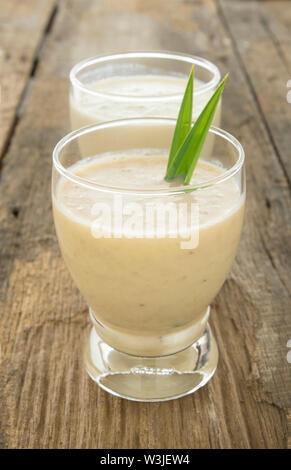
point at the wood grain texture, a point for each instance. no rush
(269, 198)
(47, 399)
(22, 28)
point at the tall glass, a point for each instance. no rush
(148, 256)
(138, 84)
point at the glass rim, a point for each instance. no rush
(85, 182)
(192, 60)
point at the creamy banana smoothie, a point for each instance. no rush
(148, 254)
(120, 97)
(135, 96)
(149, 292)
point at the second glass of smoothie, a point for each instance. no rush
(138, 84)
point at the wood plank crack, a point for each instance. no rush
(27, 88)
(248, 79)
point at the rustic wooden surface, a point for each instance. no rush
(47, 400)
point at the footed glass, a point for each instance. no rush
(148, 256)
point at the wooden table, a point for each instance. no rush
(47, 400)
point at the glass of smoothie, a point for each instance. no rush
(138, 84)
(148, 255)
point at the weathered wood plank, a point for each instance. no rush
(267, 75)
(266, 68)
(49, 402)
(22, 26)
(277, 19)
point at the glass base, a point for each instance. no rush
(151, 378)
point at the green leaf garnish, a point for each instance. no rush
(186, 155)
(184, 120)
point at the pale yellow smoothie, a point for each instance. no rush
(122, 97)
(149, 295)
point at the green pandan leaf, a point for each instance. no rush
(186, 157)
(184, 120)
